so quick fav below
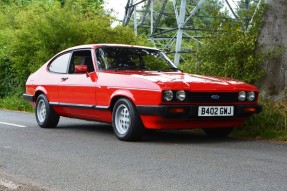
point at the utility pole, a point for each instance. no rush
(247, 19)
(135, 21)
(180, 24)
(151, 16)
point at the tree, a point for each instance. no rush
(273, 36)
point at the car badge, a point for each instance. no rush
(215, 97)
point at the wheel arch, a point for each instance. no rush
(39, 90)
(115, 99)
(37, 93)
(121, 94)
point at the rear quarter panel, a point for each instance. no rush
(43, 82)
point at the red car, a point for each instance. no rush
(136, 88)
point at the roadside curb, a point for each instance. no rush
(10, 185)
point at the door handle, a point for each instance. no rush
(64, 79)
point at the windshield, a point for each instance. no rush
(125, 58)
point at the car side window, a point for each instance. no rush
(82, 57)
(60, 64)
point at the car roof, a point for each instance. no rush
(93, 46)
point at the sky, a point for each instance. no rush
(118, 7)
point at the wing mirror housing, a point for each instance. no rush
(81, 69)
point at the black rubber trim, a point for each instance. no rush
(192, 111)
(28, 97)
(84, 106)
(240, 109)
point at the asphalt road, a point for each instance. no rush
(82, 155)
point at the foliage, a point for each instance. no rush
(84, 5)
(33, 32)
(7, 74)
(231, 51)
(15, 103)
(270, 124)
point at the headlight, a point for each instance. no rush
(241, 96)
(180, 95)
(167, 95)
(250, 96)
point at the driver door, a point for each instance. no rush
(77, 92)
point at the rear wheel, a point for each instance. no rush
(127, 124)
(45, 115)
(218, 132)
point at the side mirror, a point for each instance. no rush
(81, 69)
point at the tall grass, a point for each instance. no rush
(270, 124)
(15, 103)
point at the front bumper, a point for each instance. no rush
(191, 111)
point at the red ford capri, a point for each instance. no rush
(136, 88)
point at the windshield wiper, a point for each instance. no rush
(129, 68)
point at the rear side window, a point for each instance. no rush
(60, 64)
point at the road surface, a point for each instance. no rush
(82, 155)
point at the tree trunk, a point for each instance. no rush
(274, 35)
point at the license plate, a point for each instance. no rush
(213, 111)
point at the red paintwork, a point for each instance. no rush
(154, 122)
(143, 88)
(81, 69)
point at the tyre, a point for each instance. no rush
(45, 115)
(218, 132)
(127, 124)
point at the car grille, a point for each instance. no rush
(212, 97)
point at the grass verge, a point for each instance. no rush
(15, 103)
(270, 124)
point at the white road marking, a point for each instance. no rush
(12, 124)
(8, 184)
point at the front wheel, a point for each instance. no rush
(218, 132)
(45, 115)
(127, 124)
